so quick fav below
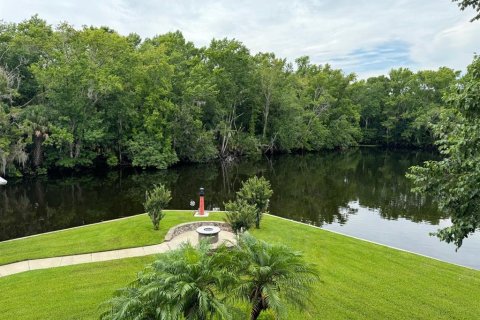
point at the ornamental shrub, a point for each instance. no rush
(240, 215)
(256, 191)
(155, 201)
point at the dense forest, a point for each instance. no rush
(73, 98)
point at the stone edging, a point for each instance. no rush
(190, 226)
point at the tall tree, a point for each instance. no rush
(453, 181)
(330, 114)
(231, 65)
(151, 142)
(371, 96)
(192, 90)
(272, 73)
(13, 132)
(80, 76)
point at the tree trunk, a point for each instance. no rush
(265, 117)
(258, 307)
(258, 304)
(78, 147)
(255, 313)
(38, 139)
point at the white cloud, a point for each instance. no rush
(433, 33)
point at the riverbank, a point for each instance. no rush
(359, 280)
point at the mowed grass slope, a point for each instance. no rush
(359, 280)
(73, 292)
(131, 232)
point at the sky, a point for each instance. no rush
(368, 37)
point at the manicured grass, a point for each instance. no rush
(73, 292)
(359, 280)
(126, 233)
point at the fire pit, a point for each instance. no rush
(208, 232)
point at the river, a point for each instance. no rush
(362, 193)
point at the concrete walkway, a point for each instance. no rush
(174, 243)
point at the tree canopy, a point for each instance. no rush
(76, 98)
(453, 181)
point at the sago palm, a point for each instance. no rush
(188, 283)
(273, 276)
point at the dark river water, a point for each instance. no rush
(363, 193)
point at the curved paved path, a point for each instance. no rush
(174, 243)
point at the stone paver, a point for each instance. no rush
(174, 243)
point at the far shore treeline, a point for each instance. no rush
(77, 98)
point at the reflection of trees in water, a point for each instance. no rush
(25, 210)
(42, 205)
(318, 188)
(220, 180)
(385, 187)
(315, 188)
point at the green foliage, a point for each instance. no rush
(330, 116)
(198, 283)
(398, 110)
(240, 215)
(257, 192)
(273, 275)
(191, 141)
(453, 181)
(155, 201)
(187, 283)
(92, 95)
(375, 271)
(146, 151)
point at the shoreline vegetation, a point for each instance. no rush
(91, 97)
(353, 273)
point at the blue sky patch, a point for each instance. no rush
(385, 56)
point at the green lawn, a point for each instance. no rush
(72, 292)
(126, 233)
(359, 280)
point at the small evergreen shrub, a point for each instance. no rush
(256, 191)
(155, 201)
(240, 215)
